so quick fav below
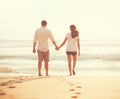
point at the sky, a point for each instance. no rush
(94, 19)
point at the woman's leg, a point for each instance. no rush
(74, 63)
(46, 67)
(69, 64)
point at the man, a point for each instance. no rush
(41, 37)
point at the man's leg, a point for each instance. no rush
(46, 61)
(40, 59)
(39, 68)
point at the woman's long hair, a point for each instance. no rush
(74, 32)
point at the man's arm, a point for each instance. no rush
(53, 40)
(55, 44)
(35, 42)
(34, 47)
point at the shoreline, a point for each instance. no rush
(65, 73)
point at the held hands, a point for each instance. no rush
(57, 48)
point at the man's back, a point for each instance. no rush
(42, 35)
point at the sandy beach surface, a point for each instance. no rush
(60, 87)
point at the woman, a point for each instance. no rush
(73, 45)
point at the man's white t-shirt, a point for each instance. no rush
(72, 43)
(41, 36)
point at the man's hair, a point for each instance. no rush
(43, 23)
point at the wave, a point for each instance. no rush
(56, 70)
(107, 57)
(28, 57)
(111, 57)
(84, 57)
(5, 70)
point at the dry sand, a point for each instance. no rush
(60, 87)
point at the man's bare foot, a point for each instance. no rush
(70, 74)
(39, 75)
(73, 72)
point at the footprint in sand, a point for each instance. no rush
(11, 86)
(74, 97)
(3, 83)
(72, 90)
(2, 92)
(78, 93)
(78, 87)
(70, 83)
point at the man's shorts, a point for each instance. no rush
(43, 56)
(71, 53)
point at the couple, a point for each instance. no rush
(41, 37)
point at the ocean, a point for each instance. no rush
(97, 57)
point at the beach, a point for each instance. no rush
(60, 87)
(97, 72)
(97, 69)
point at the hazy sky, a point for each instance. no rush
(95, 19)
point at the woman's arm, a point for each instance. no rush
(63, 43)
(78, 46)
